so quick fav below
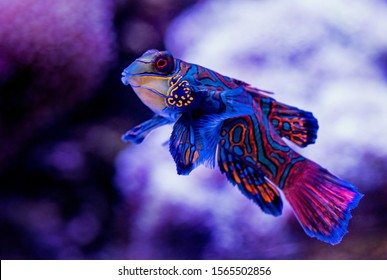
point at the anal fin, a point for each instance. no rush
(251, 182)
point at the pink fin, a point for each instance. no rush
(320, 201)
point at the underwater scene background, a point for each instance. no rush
(71, 189)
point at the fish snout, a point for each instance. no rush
(125, 77)
(133, 72)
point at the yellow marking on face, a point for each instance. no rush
(152, 90)
(152, 82)
(176, 99)
(171, 101)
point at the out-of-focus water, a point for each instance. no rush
(70, 189)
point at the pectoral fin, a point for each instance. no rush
(182, 146)
(192, 142)
(138, 133)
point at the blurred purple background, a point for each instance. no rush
(70, 189)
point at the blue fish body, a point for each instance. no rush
(224, 120)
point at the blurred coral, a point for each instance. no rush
(53, 54)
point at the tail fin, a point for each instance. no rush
(320, 201)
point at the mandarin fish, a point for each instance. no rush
(218, 118)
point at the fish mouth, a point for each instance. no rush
(125, 77)
(132, 79)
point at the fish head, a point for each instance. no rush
(149, 76)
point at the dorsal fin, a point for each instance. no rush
(297, 125)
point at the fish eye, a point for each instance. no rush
(164, 64)
(161, 63)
